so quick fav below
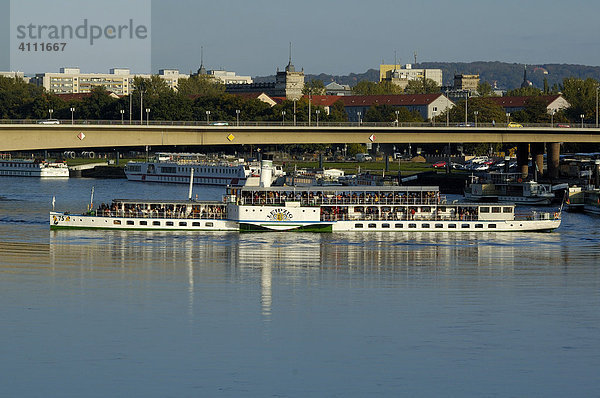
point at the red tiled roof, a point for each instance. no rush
(520, 102)
(250, 95)
(323, 100)
(397, 100)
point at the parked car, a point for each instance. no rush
(564, 126)
(49, 121)
(439, 165)
(457, 166)
(514, 124)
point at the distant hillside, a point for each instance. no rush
(506, 75)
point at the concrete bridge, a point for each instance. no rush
(18, 137)
(529, 139)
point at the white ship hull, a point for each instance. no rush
(27, 168)
(60, 220)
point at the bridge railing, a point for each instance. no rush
(226, 124)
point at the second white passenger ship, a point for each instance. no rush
(176, 168)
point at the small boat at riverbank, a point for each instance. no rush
(586, 200)
(319, 209)
(509, 187)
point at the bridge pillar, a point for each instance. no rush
(553, 159)
(537, 157)
(523, 159)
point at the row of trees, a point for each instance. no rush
(196, 95)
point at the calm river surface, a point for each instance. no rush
(123, 314)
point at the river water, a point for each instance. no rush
(160, 314)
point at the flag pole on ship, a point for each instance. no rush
(191, 183)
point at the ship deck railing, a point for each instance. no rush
(345, 201)
(396, 217)
(154, 214)
(538, 216)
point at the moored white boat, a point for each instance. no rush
(176, 167)
(509, 187)
(33, 168)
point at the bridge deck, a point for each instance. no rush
(15, 137)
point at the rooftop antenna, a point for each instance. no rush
(290, 53)
(415, 54)
(395, 61)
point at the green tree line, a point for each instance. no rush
(196, 95)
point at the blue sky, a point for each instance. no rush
(339, 37)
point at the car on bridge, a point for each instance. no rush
(514, 124)
(49, 121)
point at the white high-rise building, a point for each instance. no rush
(118, 81)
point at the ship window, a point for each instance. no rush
(130, 222)
(358, 225)
(484, 209)
(507, 209)
(195, 224)
(412, 225)
(491, 225)
(451, 225)
(385, 225)
(182, 224)
(143, 222)
(439, 225)
(398, 226)
(155, 222)
(478, 225)
(117, 222)
(495, 209)
(372, 225)
(209, 224)
(169, 223)
(465, 226)
(425, 226)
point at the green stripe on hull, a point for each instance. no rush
(143, 229)
(244, 227)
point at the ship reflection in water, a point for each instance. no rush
(296, 257)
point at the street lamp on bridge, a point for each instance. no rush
(397, 116)
(72, 118)
(147, 116)
(582, 116)
(552, 117)
(295, 112)
(476, 113)
(317, 113)
(283, 118)
(207, 118)
(237, 117)
(358, 114)
(50, 111)
(122, 114)
(507, 118)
